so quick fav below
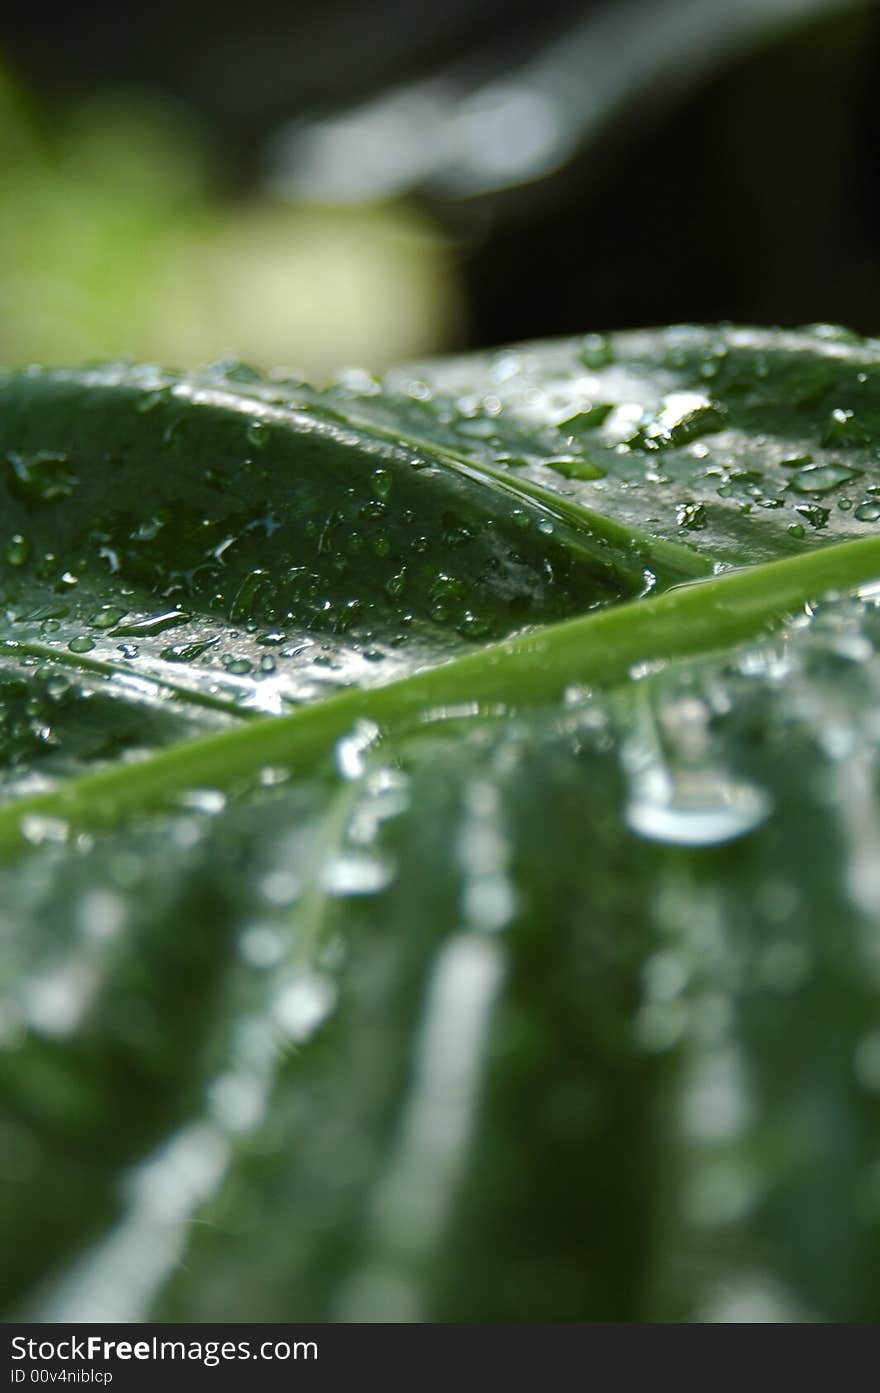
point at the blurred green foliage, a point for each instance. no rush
(117, 239)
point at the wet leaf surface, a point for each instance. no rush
(439, 881)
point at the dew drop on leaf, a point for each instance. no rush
(821, 478)
(867, 512)
(236, 667)
(692, 516)
(704, 809)
(573, 467)
(151, 624)
(258, 433)
(843, 429)
(679, 791)
(106, 617)
(596, 352)
(817, 517)
(18, 550)
(381, 483)
(42, 477)
(355, 873)
(187, 652)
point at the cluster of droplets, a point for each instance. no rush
(680, 432)
(423, 577)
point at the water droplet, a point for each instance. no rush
(151, 624)
(151, 400)
(867, 512)
(833, 333)
(261, 946)
(81, 645)
(706, 809)
(821, 478)
(394, 586)
(53, 610)
(280, 887)
(233, 370)
(692, 516)
(381, 482)
(473, 626)
(18, 550)
(587, 418)
(815, 516)
(38, 828)
(106, 617)
(574, 467)
(684, 417)
(258, 433)
(679, 793)
(843, 429)
(203, 800)
(355, 873)
(301, 1005)
(797, 529)
(187, 652)
(237, 667)
(42, 477)
(596, 352)
(350, 750)
(254, 586)
(455, 532)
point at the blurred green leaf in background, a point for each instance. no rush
(116, 239)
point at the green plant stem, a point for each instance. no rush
(598, 650)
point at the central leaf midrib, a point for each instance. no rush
(596, 650)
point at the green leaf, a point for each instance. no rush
(438, 837)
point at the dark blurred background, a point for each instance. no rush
(359, 181)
